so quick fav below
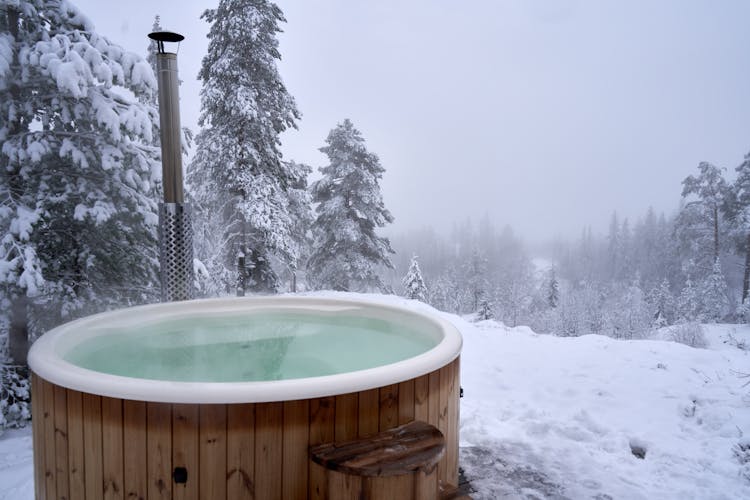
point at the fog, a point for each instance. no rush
(546, 116)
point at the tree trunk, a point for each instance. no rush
(18, 336)
(746, 278)
(716, 234)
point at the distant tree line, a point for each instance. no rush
(692, 266)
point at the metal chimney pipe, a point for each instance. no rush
(175, 227)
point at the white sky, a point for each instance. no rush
(547, 115)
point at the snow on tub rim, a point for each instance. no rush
(47, 355)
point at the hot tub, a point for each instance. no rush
(222, 398)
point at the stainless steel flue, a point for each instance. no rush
(175, 225)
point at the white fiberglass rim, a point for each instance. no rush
(46, 355)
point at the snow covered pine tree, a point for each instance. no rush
(414, 287)
(242, 189)
(346, 250)
(78, 172)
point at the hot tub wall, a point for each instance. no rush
(91, 447)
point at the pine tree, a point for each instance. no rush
(687, 304)
(475, 272)
(714, 303)
(414, 287)
(485, 310)
(553, 289)
(301, 216)
(662, 304)
(738, 207)
(242, 189)
(346, 250)
(78, 172)
(699, 222)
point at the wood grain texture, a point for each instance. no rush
(185, 450)
(296, 436)
(422, 398)
(159, 450)
(92, 445)
(369, 412)
(406, 402)
(343, 486)
(135, 454)
(451, 432)
(50, 455)
(241, 451)
(268, 450)
(61, 443)
(112, 449)
(213, 451)
(388, 488)
(76, 465)
(402, 450)
(37, 428)
(388, 418)
(347, 416)
(322, 430)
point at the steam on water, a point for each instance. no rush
(271, 346)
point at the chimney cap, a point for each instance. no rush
(166, 36)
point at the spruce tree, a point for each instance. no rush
(241, 186)
(78, 171)
(346, 250)
(713, 295)
(688, 308)
(700, 220)
(414, 287)
(485, 310)
(738, 207)
(553, 289)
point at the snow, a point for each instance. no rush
(559, 417)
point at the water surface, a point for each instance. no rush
(250, 347)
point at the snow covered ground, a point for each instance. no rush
(549, 417)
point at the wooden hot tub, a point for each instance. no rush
(98, 435)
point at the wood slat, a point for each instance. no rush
(75, 445)
(433, 400)
(422, 398)
(451, 433)
(406, 402)
(61, 443)
(185, 450)
(426, 485)
(92, 445)
(388, 418)
(37, 426)
(240, 451)
(112, 449)
(135, 454)
(159, 450)
(347, 416)
(296, 436)
(369, 412)
(318, 482)
(322, 430)
(343, 486)
(48, 391)
(213, 451)
(387, 488)
(268, 450)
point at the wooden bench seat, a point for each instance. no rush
(399, 463)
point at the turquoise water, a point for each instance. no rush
(250, 347)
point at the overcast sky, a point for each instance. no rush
(547, 115)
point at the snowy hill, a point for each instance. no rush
(550, 417)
